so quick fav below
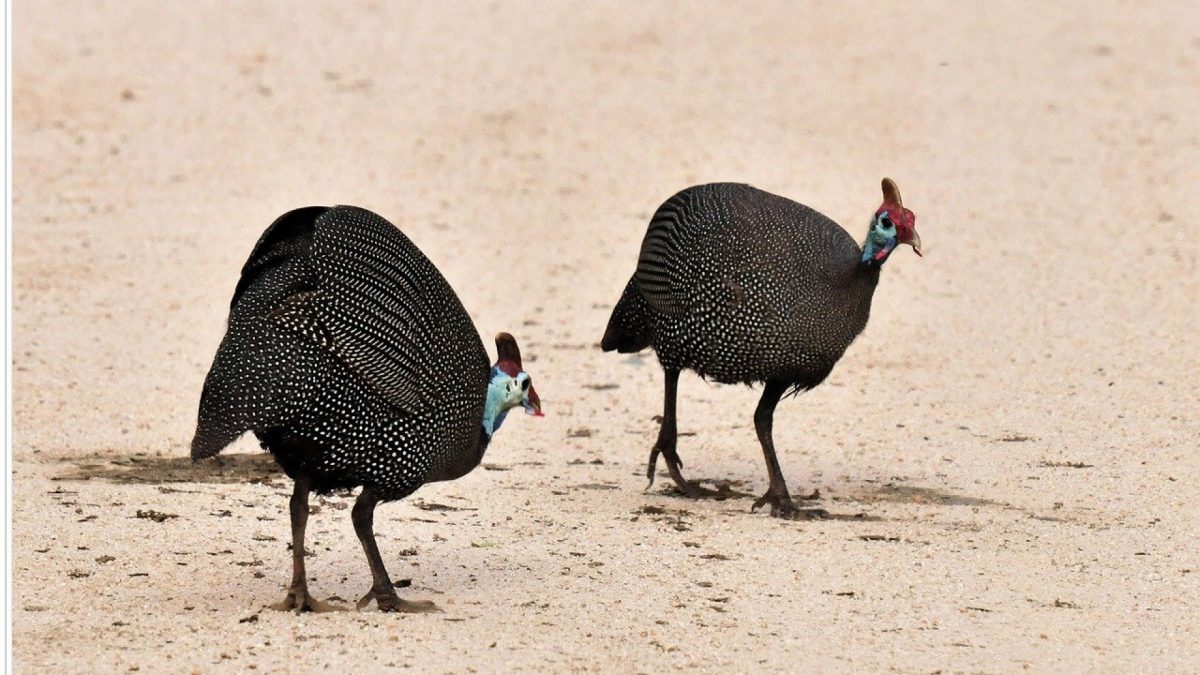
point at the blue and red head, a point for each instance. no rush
(509, 386)
(891, 226)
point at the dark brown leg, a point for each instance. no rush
(298, 598)
(777, 494)
(382, 590)
(667, 437)
(666, 431)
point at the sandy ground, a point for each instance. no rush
(1010, 449)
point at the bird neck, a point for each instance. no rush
(875, 253)
(858, 279)
(854, 265)
(481, 446)
(866, 276)
(493, 410)
(870, 267)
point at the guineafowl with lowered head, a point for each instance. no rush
(744, 286)
(354, 363)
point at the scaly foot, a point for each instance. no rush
(690, 489)
(652, 465)
(388, 601)
(298, 600)
(782, 506)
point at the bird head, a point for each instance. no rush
(891, 225)
(509, 385)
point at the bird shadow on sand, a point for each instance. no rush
(910, 494)
(144, 469)
(726, 490)
(891, 493)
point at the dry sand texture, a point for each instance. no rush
(1011, 446)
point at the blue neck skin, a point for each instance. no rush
(493, 412)
(877, 248)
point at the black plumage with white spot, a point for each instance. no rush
(744, 286)
(354, 362)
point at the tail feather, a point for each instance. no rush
(228, 408)
(209, 441)
(240, 393)
(629, 328)
(242, 390)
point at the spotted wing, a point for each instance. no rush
(372, 307)
(661, 257)
(680, 238)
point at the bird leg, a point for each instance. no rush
(298, 598)
(667, 436)
(383, 592)
(666, 433)
(777, 495)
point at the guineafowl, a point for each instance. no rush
(744, 286)
(355, 364)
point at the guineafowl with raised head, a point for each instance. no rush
(744, 286)
(354, 363)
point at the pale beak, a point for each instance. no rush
(532, 403)
(915, 242)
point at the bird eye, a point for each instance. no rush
(526, 384)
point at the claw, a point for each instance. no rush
(298, 600)
(760, 501)
(782, 506)
(677, 461)
(674, 464)
(653, 464)
(388, 601)
(364, 600)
